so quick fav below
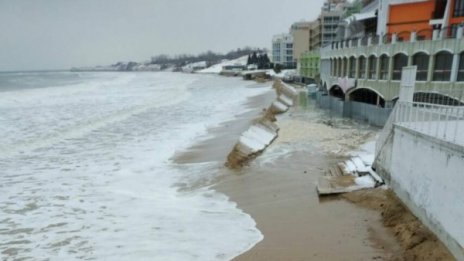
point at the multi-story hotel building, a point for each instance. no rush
(300, 32)
(309, 66)
(368, 68)
(282, 50)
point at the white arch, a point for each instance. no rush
(400, 52)
(421, 51)
(443, 50)
(433, 92)
(384, 53)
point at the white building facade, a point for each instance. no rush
(282, 50)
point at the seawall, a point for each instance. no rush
(263, 131)
(427, 175)
(372, 114)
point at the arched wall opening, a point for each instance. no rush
(367, 96)
(336, 91)
(435, 98)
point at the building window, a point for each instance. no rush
(442, 66)
(352, 72)
(372, 66)
(339, 67)
(461, 68)
(345, 67)
(383, 75)
(458, 8)
(362, 67)
(453, 31)
(421, 60)
(334, 67)
(399, 61)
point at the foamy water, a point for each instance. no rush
(85, 170)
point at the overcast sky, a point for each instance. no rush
(59, 34)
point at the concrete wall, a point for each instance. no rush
(372, 114)
(333, 104)
(428, 175)
(369, 113)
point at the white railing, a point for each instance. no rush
(443, 122)
(385, 133)
(439, 121)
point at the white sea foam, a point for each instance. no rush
(85, 170)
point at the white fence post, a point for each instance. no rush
(408, 83)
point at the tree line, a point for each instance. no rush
(210, 57)
(261, 60)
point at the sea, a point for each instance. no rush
(86, 169)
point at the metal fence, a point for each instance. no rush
(368, 113)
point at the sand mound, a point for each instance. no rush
(417, 241)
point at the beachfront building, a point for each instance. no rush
(315, 35)
(282, 50)
(394, 16)
(329, 21)
(309, 66)
(368, 68)
(370, 71)
(331, 5)
(397, 15)
(300, 32)
(323, 31)
(360, 23)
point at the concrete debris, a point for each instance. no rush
(264, 131)
(348, 176)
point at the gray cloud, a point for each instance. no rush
(56, 34)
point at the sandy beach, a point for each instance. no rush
(278, 189)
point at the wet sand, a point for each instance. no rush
(297, 225)
(278, 188)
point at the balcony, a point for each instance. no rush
(423, 35)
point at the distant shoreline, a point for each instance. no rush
(37, 71)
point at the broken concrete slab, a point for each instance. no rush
(341, 184)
